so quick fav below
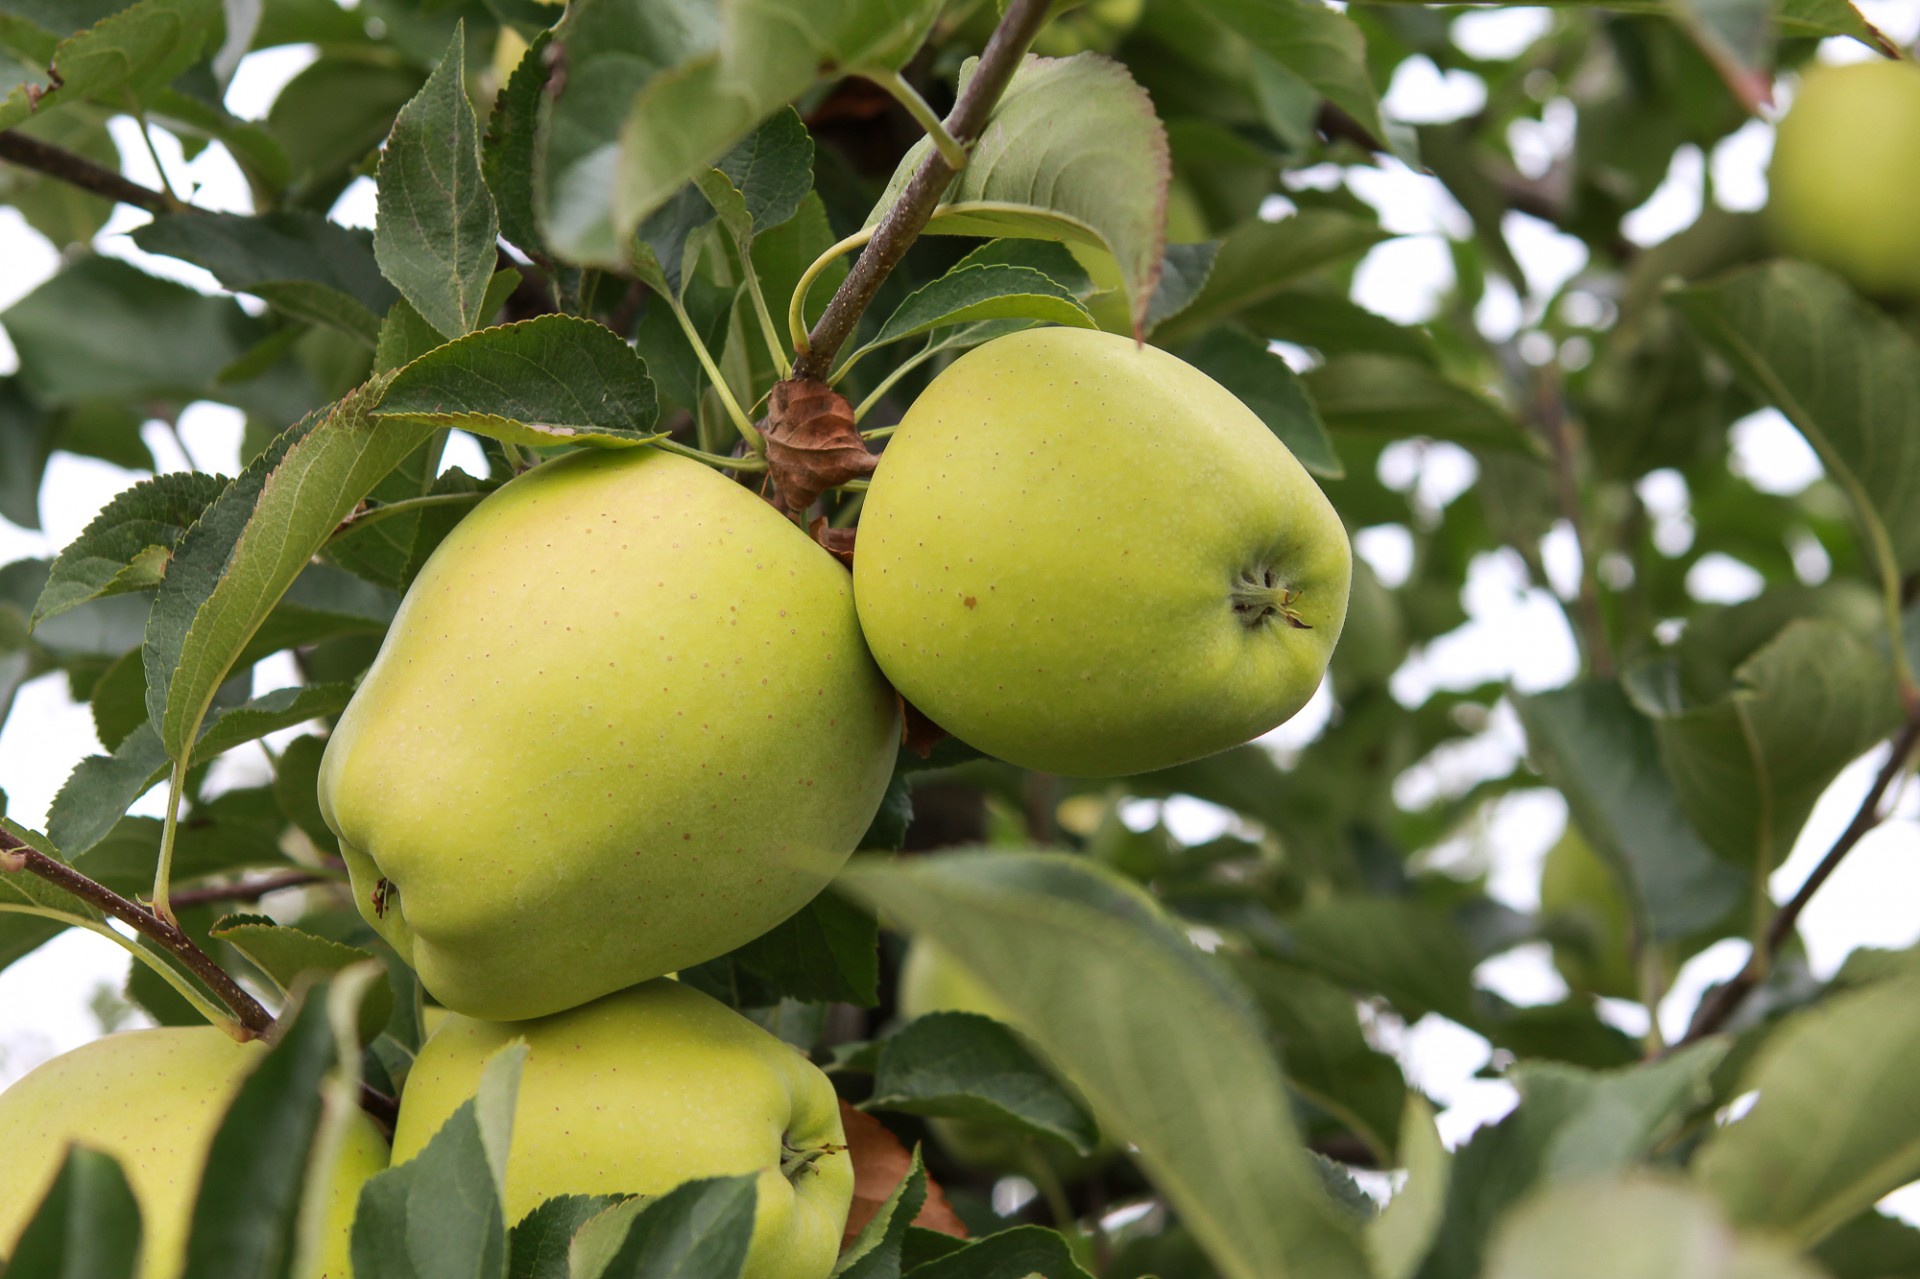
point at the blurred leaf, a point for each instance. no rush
(557, 379)
(102, 328)
(965, 1066)
(64, 213)
(1318, 44)
(1799, 1165)
(234, 564)
(1266, 384)
(440, 1215)
(1259, 259)
(1408, 951)
(1023, 1252)
(334, 113)
(1645, 1226)
(286, 954)
(1749, 766)
(1030, 176)
(1167, 1052)
(828, 950)
(127, 545)
(121, 59)
(437, 225)
(1590, 742)
(1399, 1238)
(1871, 1246)
(1400, 398)
(306, 266)
(87, 1227)
(245, 1215)
(698, 1228)
(27, 435)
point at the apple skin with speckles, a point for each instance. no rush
(646, 1089)
(1087, 557)
(623, 722)
(153, 1099)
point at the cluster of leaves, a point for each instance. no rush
(598, 256)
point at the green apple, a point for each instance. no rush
(623, 723)
(1087, 557)
(1842, 188)
(1581, 899)
(643, 1090)
(153, 1099)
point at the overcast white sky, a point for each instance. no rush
(1515, 633)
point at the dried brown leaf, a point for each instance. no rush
(881, 1163)
(813, 443)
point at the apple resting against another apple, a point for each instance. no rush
(1087, 557)
(1842, 190)
(153, 1099)
(624, 722)
(643, 1090)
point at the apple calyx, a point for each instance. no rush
(797, 1161)
(1258, 597)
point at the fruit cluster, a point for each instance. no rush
(630, 717)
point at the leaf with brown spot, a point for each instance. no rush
(813, 443)
(880, 1163)
(838, 541)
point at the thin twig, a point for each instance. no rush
(1715, 1010)
(16, 856)
(77, 170)
(1551, 411)
(909, 215)
(250, 890)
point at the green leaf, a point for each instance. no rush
(102, 329)
(698, 1228)
(1871, 1246)
(1591, 743)
(331, 115)
(983, 292)
(1395, 397)
(965, 1066)
(102, 787)
(1333, 324)
(1266, 384)
(1409, 951)
(557, 379)
(1167, 1052)
(235, 563)
(437, 225)
(1646, 1226)
(127, 545)
(1843, 371)
(1032, 173)
(1749, 766)
(120, 60)
(245, 1216)
(772, 169)
(1570, 1126)
(286, 954)
(87, 1227)
(1800, 1165)
(1184, 273)
(827, 951)
(1321, 46)
(539, 1244)
(1258, 260)
(441, 1214)
(876, 1252)
(507, 156)
(1024, 1252)
(27, 434)
(304, 265)
(1399, 1237)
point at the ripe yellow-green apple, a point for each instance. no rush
(643, 1090)
(1087, 557)
(1842, 189)
(1580, 896)
(623, 722)
(153, 1099)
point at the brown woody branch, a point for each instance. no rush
(77, 170)
(16, 857)
(910, 213)
(1718, 1007)
(248, 890)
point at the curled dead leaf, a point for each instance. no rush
(838, 541)
(880, 1163)
(813, 443)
